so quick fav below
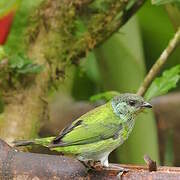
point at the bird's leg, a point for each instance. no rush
(90, 164)
(97, 165)
(101, 164)
(104, 161)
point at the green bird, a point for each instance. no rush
(94, 135)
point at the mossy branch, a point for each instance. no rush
(174, 42)
(19, 165)
(54, 39)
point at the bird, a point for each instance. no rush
(94, 135)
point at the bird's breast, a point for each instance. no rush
(126, 130)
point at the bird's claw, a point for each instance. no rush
(97, 166)
(94, 165)
(121, 171)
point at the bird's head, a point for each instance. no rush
(128, 105)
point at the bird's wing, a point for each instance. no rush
(84, 132)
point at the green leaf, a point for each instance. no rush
(23, 65)
(108, 95)
(18, 61)
(31, 69)
(163, 84)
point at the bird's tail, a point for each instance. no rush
(23, 143)
(39, 141)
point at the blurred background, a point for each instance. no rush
(121, 64)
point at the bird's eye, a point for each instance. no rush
(132, 103)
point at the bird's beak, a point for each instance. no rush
(146, 105)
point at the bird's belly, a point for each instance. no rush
(96, 150)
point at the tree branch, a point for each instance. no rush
(174, 42)
(20, 165)
(127, 14)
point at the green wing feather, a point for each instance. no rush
(38, 141)
(96, 125)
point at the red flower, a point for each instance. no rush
(5, 25)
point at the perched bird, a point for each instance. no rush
(97, 133)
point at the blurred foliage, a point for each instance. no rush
(165, 83)
(7, 6)
(1, 104)
(87, 78)
(173, 10)
(156, 31)
(159, 86)
(2, 53)
(169, 149)
(16, 38)
(16, 66)
(21, 64)
(120, 61)
(14, 49)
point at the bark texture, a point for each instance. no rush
(19, 165)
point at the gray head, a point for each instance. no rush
(127, 105)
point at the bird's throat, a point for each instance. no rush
(123, 114)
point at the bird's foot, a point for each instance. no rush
(94, 165)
